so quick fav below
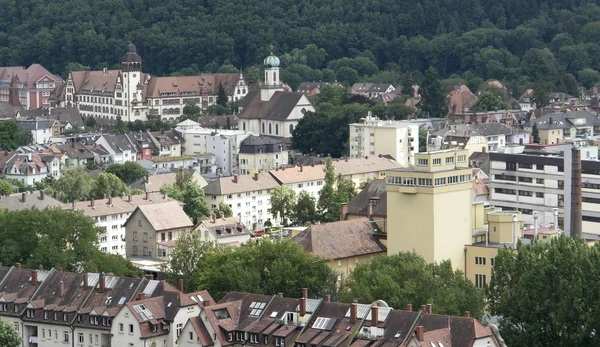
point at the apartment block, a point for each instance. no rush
(374, 137)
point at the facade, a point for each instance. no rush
(32, 86)
(555, 127)
(527, 101)
(29, 168)
(162, 165)
(497, 135)
(425, 206)
(226, 231)
(261, 153)
(149, 225)
(133, 95)
(111, 214)
(249, 197)
(299, 178)
(272, 111)
(153, 183)
(374, 137)
(41, 129)
(371, 90)
(343, 244)
(121, 147)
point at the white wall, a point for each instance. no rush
(251, 207)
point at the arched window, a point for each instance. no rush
(291, 128)
(263, 128)
(276, 129)
(243, 125)
(274, 78)
(270, 129)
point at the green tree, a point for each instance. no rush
(106, 262)
(23, 137)
(328, 204)
(8, 335)
(533, 316)
(432, 96)
(535, 133)
(406, 278)
(74, 185)
(588, 77)
(540, 93)
(90, 122)
(191, 110)
(120, 126)
(223, 210)
(110, 185)
(489, 102)
(423, 134)
(129, 172)
(6, 188)
(11, 137)
(283, 201)
(305, 210)
(222, 98)
(192, 196)
(345, 190)
(407, 84)
(264, 267)
(347, 75)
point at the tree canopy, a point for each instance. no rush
(12, 137)
(8, 335)
(406, 278)
(129, 172)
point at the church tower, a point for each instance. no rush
(271, 78)
(131, 67)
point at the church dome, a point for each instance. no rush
(271, 61)
(131, 56)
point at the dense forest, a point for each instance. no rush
(515, 41)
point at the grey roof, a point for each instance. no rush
(218, 121)
(15, 202)
(480, 160)
(263, 144)
(278, 107)
(562, 120)
(485, 129)
(376, 188)
(9, 111)
(120, 143)
(67, 115)
(371, 87)
(33, 124)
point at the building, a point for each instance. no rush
(42, 129)
(204, 163)
(370, 202)
(533, 181)
(374, 137)
(32, 86)
(74, 154)
(261, 153)
(299, 178)
(460, 99)
(111, 214)
(25, 201)
(249, 197)
(225, 231)
(471, 142)
(153, 183)
(555, 127)
(133, 95)
(30, 168)
(343, 244)
(271, 110)
(527, 101)
(121, 147)
(166, 143)
(313, 88)
(218, 122)
(364, 170)
(497, 135)
(151, 224)
(426, 206)
(371, 90)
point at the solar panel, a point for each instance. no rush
(262, 305)
(253, 304)
(122, 300)
(273, 314)
(144, 313)
(321, 323)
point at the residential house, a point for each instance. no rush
(470, 142)
(371, 90)
(527, 101)
(343, 244)
(271, 110)
(299, 178)
(460, 99)
(362, 170)
(68, 118)
(27, 200)
(167, 143)
(204, 163)
(145, 147)
(481, 182)
(42, 129)
(121, 147)
(153, 183)
(497, 135)
(32, 85)
(313, 88)
(31, 167)
(226, 231)
(151, 224)
(374, 137)
(249, 197)
(555, 127)
(111, 214)
(370, 202)
(75, 155)
(261, 153)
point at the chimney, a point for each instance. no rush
(110, 200)
(467, 314)
(92, 202)
(312, 164)
(429, 308)
(535, 225)
(129, 198)
(555, 212)
(147, 196)
(18, 265)
(95, 270)
(180, 285)
(41, 195)
(515, 232)
(301, 168)
(576, 197)
(141, 296)
(374, 315)
(347, 159)
(305, 293)
(149, 277)
(381, 156)
(256, 176)
(62, 288)
(85, 281)
(343, 211)
(409, 307)
(41, 267)
(59, 269)
(367, 157)
(483, 149)
(102, 283)
(353, 312)
(214, 218)
(24, 197)
(34, 278)
(521, 141)
(235, 179)
(424, 308)
(419, 332)
(369, 210)
(302, 307)
(73, 205)
(327, 298)
(280, 295)
(205, 303)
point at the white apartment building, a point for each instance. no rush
(111, 214)
(374, 137)
(299, 178)
(261, 153)
(249, 197)
(31, 168)
(530, 181)
(224, 144)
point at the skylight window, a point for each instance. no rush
(273, 314)
(324, 323)
(257, 308)
(144, 313)
(122, 300)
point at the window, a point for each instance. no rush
(65, 317)
(145, 237)
(135, 236)
(66, 336)
(539, 195)
(422, 162)
(526, 179)
(452, 179)
(505, 191)
(229, 336)
(80, 338)
(170, 235)
(179, 327)
(437, 161)
(449, 160)
(525, 166)
(131, 328)
(139, 222)
(480, 281)
(3, 307)
(30, 313)
(479, 260)
(539, 180)
(525, 193)
(462, 158)
(493, 261)
(120, 327)
(339, 263)
(266, 339)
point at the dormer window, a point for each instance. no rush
(154, 328)
(65, 317)
(30, 313)
(79, 318)
(94, 320)
(229, 337)
(16, 307)
(3, 307)
(46, 314)
(55, 315)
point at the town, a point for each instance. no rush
(211, 209)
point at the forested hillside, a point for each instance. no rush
(517, 41)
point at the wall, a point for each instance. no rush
(345, 266)
(251, 207)
(182, 317)
(471, 268)
(138, 222)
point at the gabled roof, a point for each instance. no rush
(102, 207)
(62, 290)
(15, 202)
(564, 120)
(246, 183)
(190, 86)
(214, 121)
(364, 165)
(120, 143)
(375, 189)
(153, 183)
(164, 216)
(299, 174)
(279, 107)
(339, 240)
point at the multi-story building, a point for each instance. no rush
(374, 137)
(555, 127)
(133, 95)
(371, 90)
(30, 168)
(497, 135)
(535, 181)
(261, 153)
(150, 224)
(249, 197)
(42, 129)
(299, 178)
(426, 206)
(32, 85)
(111, 214)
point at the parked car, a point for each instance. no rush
(258, 233)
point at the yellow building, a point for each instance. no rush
(429, 206)
(343, 244)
